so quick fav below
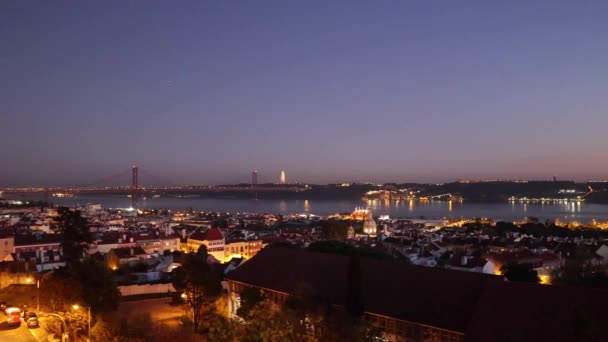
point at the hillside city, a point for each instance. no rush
(144, 261)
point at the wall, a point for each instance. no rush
(131, 290)
(7, 278)
(6, 247)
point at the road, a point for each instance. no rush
(159, 309)
(16, 334)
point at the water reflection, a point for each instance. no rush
(512, 211)
(282, 206)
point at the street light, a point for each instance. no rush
(64, 333)
(76, 307)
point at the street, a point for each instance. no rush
(16, 334)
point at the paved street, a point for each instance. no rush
(15, 334)
(40, 333)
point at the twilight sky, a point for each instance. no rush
(205, 91)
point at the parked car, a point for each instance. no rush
(13, 316)
(31, 319)
(6, 307)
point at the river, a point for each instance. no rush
(582, 212)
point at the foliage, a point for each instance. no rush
(343, 248)
(103, 331)
(199, 282)
(305, 300)
(250, 297)
(100, 291)
(59, 292)
(580, 271)
(87, 283)
(520, 272)
(334, 229)
(76, 234)
(268, 324)
(217, 328)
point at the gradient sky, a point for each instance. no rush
(204, 91)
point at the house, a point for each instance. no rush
(7, 243)
(551, 262)
(523, 257)
(428, 304)
(212, 238)
(43, 248)
(392, 300)
(603, 252)
(470, 264)
(158, 242)
(117, 257)
(241, 248)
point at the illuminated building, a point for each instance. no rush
(212, 238)
(241, 249)
(283, 179)
(369, 225)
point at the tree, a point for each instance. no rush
(580, 271)
(250, 297)
(60, 292)
(199, 282)
(334, 230)
(343, 248)
(100, 291)
(76, 234)
(103, 330)
(269, 325)
(520, 272)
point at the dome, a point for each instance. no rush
(369, 226)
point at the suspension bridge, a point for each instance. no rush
(137, 182)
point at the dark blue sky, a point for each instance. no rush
(205, 91)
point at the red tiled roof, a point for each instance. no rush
(207, 235)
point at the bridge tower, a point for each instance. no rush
(134, 186)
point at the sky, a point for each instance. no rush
(203, 92)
